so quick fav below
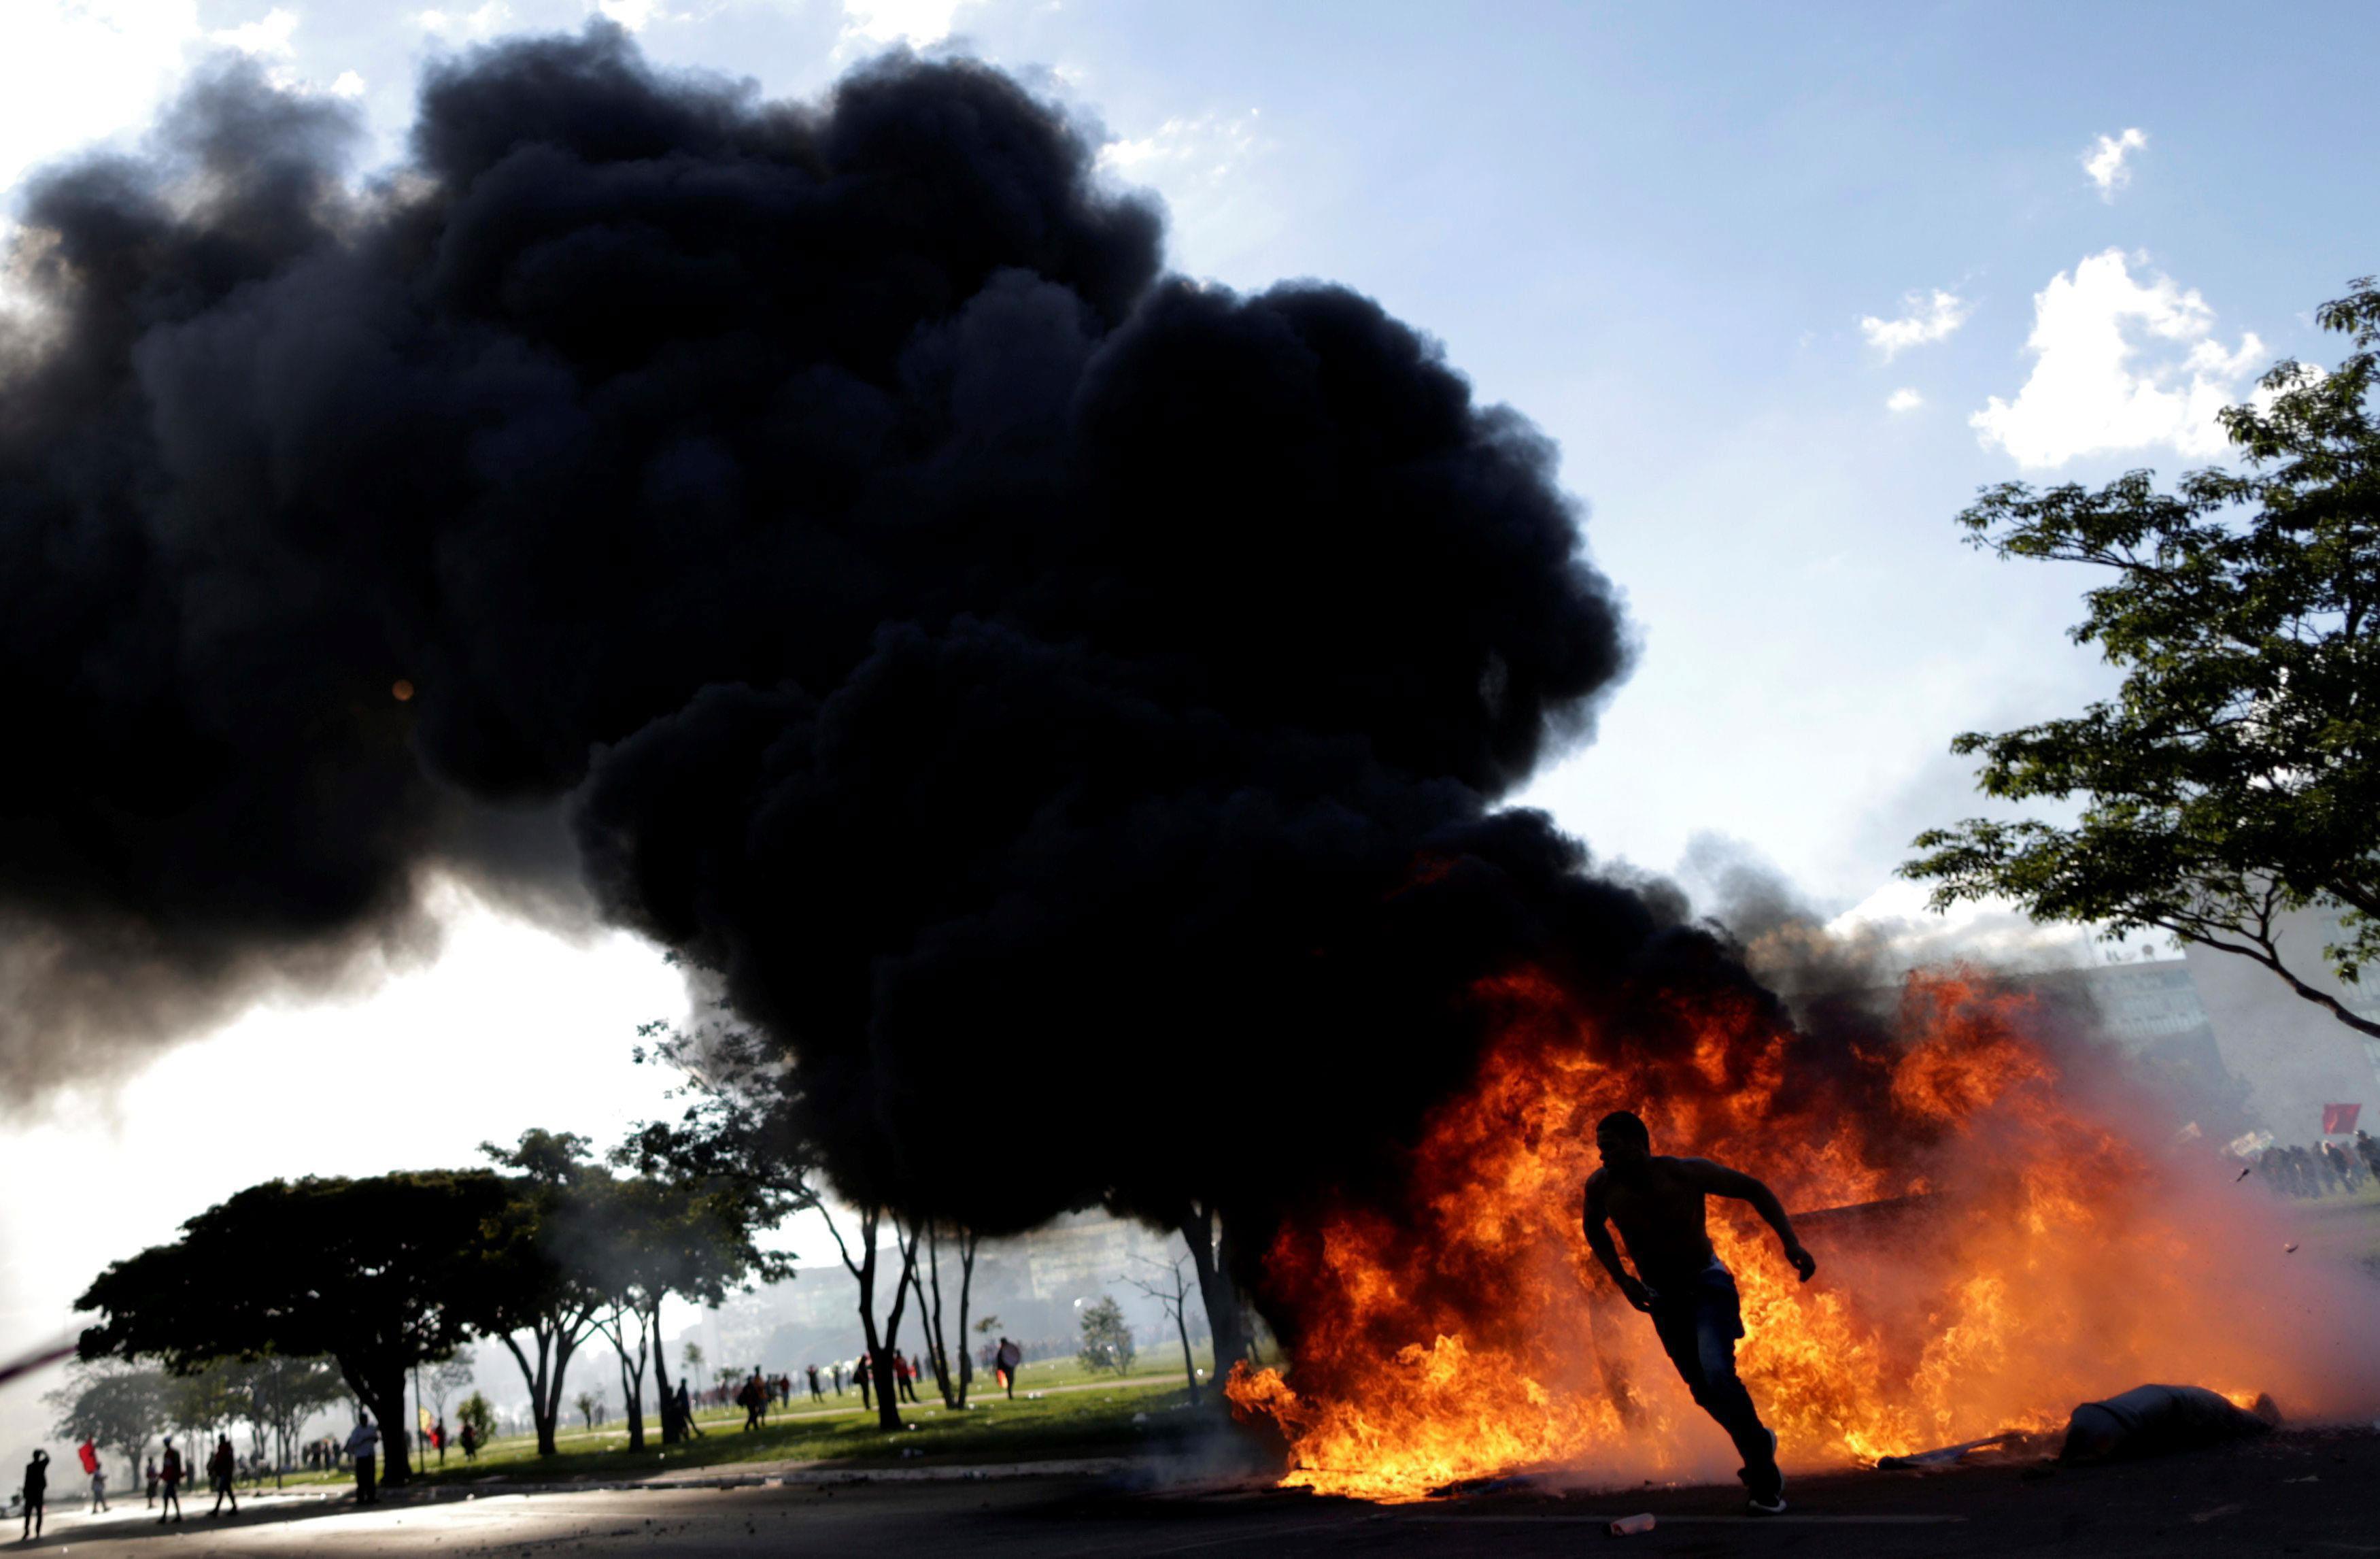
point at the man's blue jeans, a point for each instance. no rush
(1699, 1317)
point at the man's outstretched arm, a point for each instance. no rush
(1598, 1239)
(1719, 1180)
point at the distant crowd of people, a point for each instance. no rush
(755, 1393)
(759, 1393)
(2325, 1169)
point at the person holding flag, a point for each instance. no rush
(89, 1453)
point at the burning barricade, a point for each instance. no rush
(1999, 1249)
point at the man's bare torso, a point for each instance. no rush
(1660, 1212)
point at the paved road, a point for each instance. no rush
(2312, 1493)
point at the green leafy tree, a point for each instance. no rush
(121, 1407)
(479, 1414)
(741, 1146)
(2234, 776)
(375, 1273)
(537, 1292)
(443, 1382)
(1106, 1342)
(667, 1230)
(280, 1394)
(201, 1399)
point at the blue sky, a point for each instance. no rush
(1657, 231)
(1710, 250)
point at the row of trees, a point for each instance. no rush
(550, 1249)
(742, 1125)
(125, 1408)
(384, 1275)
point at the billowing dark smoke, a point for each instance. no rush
(1063, 701)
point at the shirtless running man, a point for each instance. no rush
(1680, 1283)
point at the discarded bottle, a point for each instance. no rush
(1629, 1526)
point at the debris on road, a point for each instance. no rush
(1497, 1484)
(1629, 1526)
(1947, 1456)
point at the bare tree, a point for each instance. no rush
(1203, 1229)
(951, 1380)
(1170, 1286)
(446, 1379)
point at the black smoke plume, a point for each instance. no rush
(1063, 703)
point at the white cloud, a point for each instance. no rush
(2089, 392)
(1903, 399)
(2105, 160)
(465, 27)
(1928, 320)
(1205, 146)
(915, 22)
(349, 84)
(73, 71)
(633, 14)
(268, 36)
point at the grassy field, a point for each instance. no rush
(1074, 1413)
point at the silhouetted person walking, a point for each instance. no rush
(818, 1393)
(152, 1483)
(37, 1493)
(169, 1477)
(220, 1468)
(685, 1411)
(1680, 1280)
(1009, 1356)
(364, 1445)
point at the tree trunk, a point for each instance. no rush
(564, 1347)
(967, 1282)
(1182, 1325)
(632, 1383)
(888, 1393)
(1220, 1295)
(541, 1410)
(863, 1272)
(672, 1431)
(386, 1401)
(929, 1317)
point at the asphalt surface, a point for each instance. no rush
(2311, 1493)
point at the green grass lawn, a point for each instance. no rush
(1094, 1421)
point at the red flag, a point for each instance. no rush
(89, 1455)
(2338, 1119)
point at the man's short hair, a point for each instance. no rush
(1625, 1124)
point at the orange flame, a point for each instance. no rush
(1467, 1332)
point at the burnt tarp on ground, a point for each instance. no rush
(2159, 1420)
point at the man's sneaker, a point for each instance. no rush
(1767, 1491)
